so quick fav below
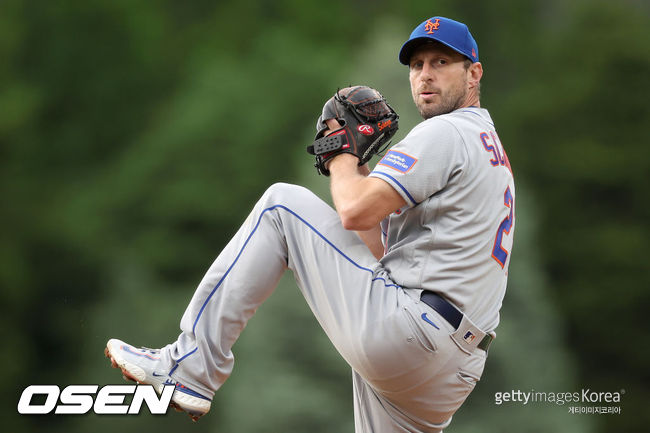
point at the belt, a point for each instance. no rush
(450, 313)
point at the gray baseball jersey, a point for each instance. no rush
(411, 368)
(455, 233)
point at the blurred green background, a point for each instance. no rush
(136, 135)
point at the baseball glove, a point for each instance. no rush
(368, 124)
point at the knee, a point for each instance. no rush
(286, 194)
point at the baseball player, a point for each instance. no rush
(406, 276)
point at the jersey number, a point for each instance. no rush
(498, 252)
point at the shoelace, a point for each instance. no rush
(151, 351)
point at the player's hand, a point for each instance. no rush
(356, 120)
(332, 125)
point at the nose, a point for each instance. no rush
(427, 73)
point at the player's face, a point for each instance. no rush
(439, 80)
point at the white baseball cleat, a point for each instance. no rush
(142, 365)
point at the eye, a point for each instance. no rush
(442, 61)
(417, 64)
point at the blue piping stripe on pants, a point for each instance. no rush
(259, 220)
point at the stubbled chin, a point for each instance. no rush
(426, 107)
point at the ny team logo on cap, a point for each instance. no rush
(451, 33)
(430, 26)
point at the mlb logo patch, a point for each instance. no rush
(398, 161)
(469, 337)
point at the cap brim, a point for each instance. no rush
(410, 46)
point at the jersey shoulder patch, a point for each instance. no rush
(399, 161)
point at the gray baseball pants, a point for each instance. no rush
(409, 375)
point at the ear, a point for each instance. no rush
(474, 72)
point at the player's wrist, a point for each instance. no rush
(343, 161)
(364, 169)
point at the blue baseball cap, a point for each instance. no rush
(452, 33)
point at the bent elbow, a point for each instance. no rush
(358, 221)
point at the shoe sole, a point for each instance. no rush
(136, 374)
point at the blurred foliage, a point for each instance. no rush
(135, 137)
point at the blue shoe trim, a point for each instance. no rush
(127, 349)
